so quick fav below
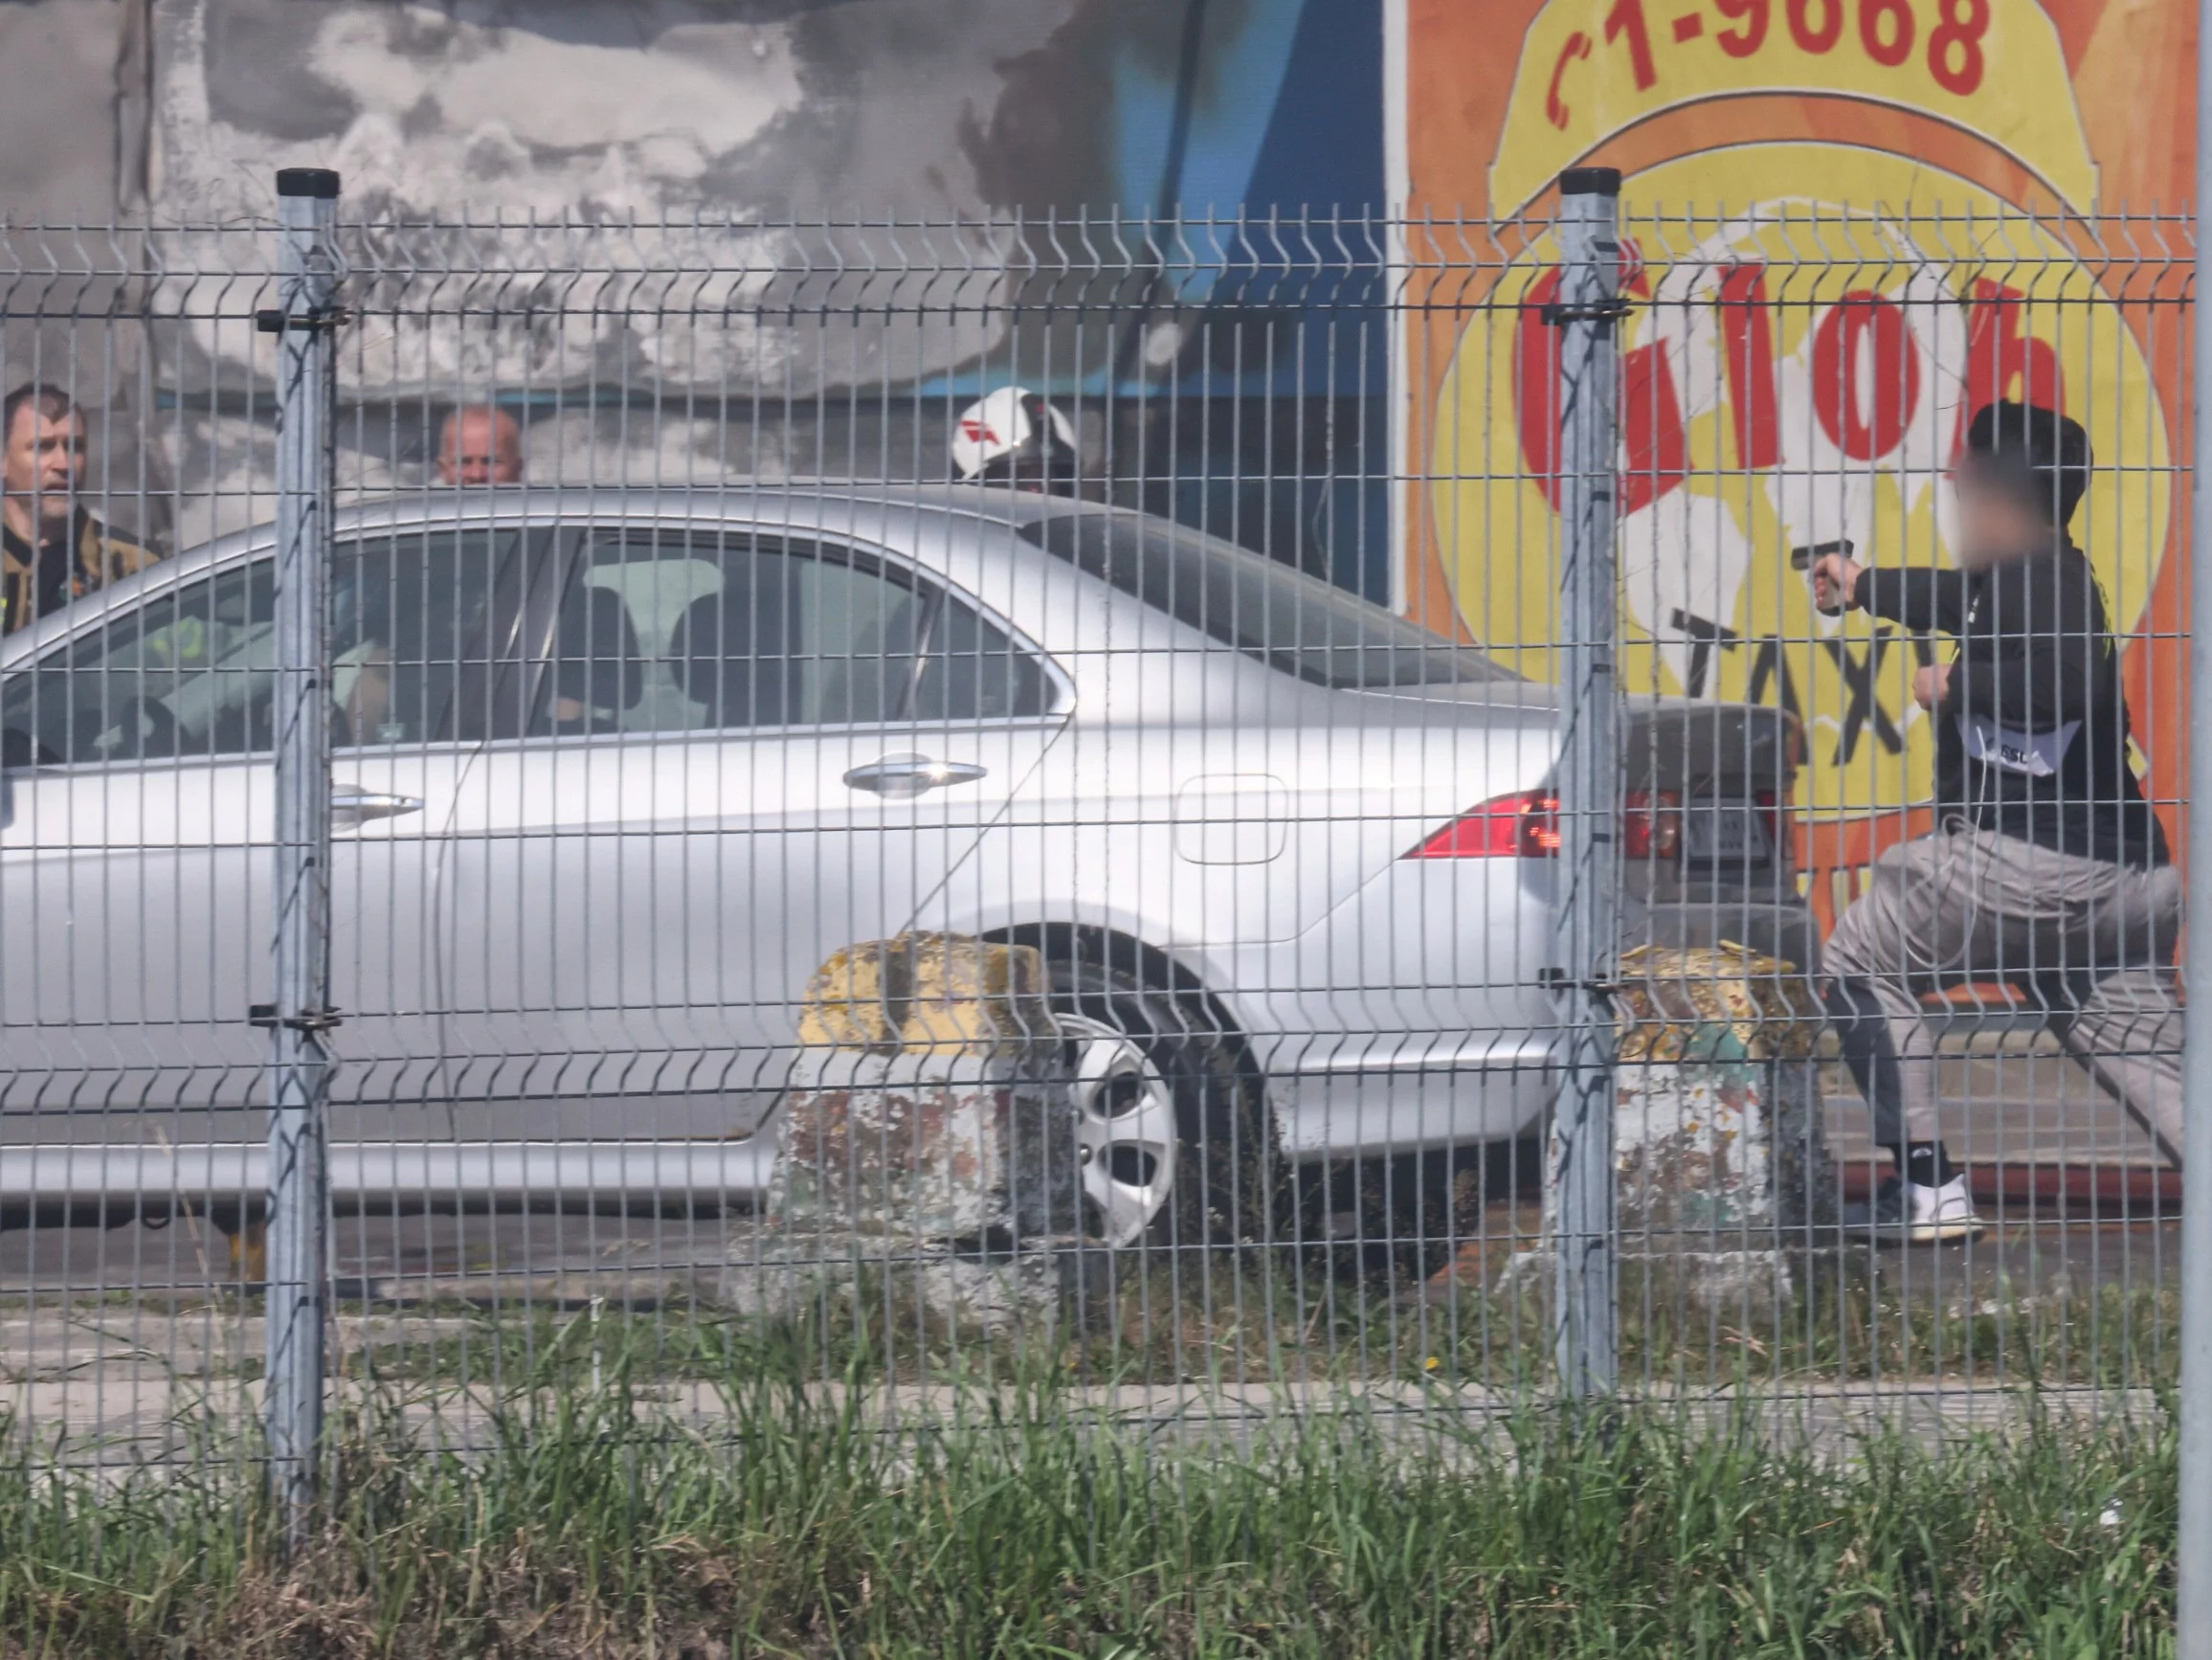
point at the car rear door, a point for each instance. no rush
(747, 748)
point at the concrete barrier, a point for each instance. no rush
(1719, 1149)
(925, 1143)
(1718, 1121)
(1722, 1173)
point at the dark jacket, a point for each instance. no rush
(92, 557)
(2032, 739)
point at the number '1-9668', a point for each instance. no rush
(1889, 32)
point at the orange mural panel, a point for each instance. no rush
(1847, 223)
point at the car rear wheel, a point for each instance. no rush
(1170, 1130)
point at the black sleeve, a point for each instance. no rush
(1916, 599)
(2030, 662)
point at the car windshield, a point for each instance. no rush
(1292, 622)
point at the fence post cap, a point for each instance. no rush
(320, 183)
(1590, 182)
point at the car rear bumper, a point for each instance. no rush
(1434, 1029)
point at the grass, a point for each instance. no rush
(583, 1523)
(1248, 1318)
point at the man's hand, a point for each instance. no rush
(1835, 582)
(1931, 685)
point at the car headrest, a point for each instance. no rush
(595, 658)
(729, 651)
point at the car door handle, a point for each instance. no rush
(901, 776)
(351, 806)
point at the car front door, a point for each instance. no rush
(747, 748)
(135, 876)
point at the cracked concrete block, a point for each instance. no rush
(1717, 1122)
(926, 1145)
(925, 1136)
(1720, 1157)
(848, 1004)
(1040, 1287)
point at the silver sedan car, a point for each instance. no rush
(616, 770)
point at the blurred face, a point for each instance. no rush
(44, 461)
(480, 446)
(1994, 523)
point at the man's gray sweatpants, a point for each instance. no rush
(1972, 905)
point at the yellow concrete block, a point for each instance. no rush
(934, 991)
(1665, 993)
(849, 1002)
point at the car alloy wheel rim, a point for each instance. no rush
(1124, 1126)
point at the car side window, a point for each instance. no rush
(672, 630)
(192, 671)
(189, 673)
(413, 636)
(972, 670)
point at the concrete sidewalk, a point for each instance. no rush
(131, 1416)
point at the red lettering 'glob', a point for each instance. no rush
(1747, 336)
(1864, 399)
(2003, 363)
(1655, 445)
(1537, 386)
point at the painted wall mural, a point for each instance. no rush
(1850, 223)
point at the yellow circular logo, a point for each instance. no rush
(1793, 375)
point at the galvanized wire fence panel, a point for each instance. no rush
(1091, 926)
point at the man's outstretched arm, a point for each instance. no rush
(1920, 599)
(1915, 598)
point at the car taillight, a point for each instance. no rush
(1651, 824)
(1781, 828)
(1520, 826)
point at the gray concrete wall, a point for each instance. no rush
(596, 107)
(582, 108)
(595, 116)
(65, 65)
(74, 76)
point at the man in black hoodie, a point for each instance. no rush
(2047, 868)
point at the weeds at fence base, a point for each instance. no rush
(1835, 1315)
(1234, 1316)
(583, 1521)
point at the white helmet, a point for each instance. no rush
(1012, 434)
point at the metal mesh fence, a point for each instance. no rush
(1063, 888)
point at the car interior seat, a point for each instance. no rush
(597, 668)
(731, 651)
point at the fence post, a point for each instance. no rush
(1585, 1309)
(298, 1070)
(2192, 1547)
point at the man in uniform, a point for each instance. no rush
(2046, 869)
(52, 549)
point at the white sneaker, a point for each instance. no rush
(1907, 1213)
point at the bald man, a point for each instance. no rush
(480, 445)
